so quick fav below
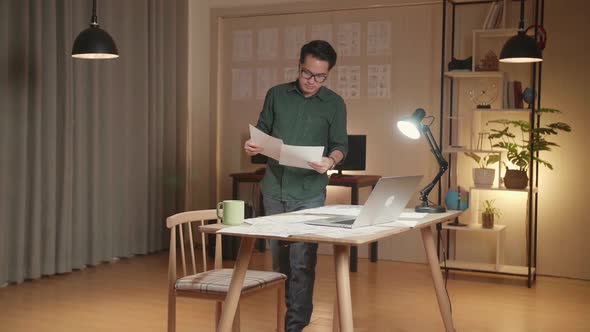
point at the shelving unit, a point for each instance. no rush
(455, 114)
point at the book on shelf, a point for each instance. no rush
(512, 95)
(494, 16)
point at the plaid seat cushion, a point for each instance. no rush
(217, 281)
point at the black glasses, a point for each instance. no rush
(319, 78)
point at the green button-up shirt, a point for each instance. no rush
(319, 120)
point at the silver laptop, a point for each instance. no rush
(385, 204)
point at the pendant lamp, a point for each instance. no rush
(94, 42)
(521, 48)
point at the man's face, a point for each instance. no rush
(312, 73)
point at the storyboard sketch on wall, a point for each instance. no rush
(349, 39)
(379, 38)
(294, 39)
(241, 83)
(348, 85)
(242, 45)
(290, 74)
(267, 42)
(379, 81)
(266, 78)
(322, 32)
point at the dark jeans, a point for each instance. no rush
(297, 260)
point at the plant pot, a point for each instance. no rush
(487, 220)
(484, 177)
(515, 179)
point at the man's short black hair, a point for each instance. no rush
(319, 49)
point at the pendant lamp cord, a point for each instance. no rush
(521, 23)
(94, 19)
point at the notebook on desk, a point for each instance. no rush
(385, 204)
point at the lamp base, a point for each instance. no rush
(430, 209)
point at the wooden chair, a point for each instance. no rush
(213, 284)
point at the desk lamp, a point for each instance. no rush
(412, 127)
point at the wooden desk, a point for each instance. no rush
(341, 264)
(354, 182)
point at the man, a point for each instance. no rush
(303, 113)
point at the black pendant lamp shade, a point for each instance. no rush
(94, 42)
(521, 48)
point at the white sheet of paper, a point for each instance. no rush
(300, 156)
(322, 32)
(271, 145)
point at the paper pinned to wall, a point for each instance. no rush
(267, 43)
(349, 82)
(379, 81)
(379, 38)
(322, 32)
(241, 87)
(294, 40)
(271, 145)
(242, 45)
(349, 39)
(300, 156)
(266, 78)
(290, 74)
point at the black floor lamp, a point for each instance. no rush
(413, 127)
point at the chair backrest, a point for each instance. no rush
(186, 220)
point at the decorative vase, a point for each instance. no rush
(487, 220)
(515, 179)
(484, 177)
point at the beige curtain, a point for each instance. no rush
(92, 152)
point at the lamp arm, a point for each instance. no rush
(442, 163)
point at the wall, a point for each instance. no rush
(563, 249)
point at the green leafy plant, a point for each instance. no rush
(490, 209)
(531, 140)
(485, 161)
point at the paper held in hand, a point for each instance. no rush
(287, 155)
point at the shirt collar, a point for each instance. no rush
(321, 94)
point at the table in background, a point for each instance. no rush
(354, 182)
(341, 262)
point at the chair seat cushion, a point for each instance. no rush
(217, 281)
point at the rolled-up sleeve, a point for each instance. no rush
(338, 137)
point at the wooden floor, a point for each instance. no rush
(130, 295)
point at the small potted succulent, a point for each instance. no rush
(482, 175)
(521, 150)
(489, 213)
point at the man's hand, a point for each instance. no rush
(251, 148)
(323, 166)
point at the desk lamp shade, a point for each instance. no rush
(94, 42)
(410, 126)
(521, 48)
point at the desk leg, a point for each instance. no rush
(353, 258)
(232, 298)
(439, 286)
(374, 251)
(343, 287)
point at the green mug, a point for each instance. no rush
(233, 212)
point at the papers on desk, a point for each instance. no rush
(287, 155)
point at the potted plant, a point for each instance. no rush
(482, 175)
(530, 141)
(488, 214)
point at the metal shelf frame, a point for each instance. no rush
(534, 118)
